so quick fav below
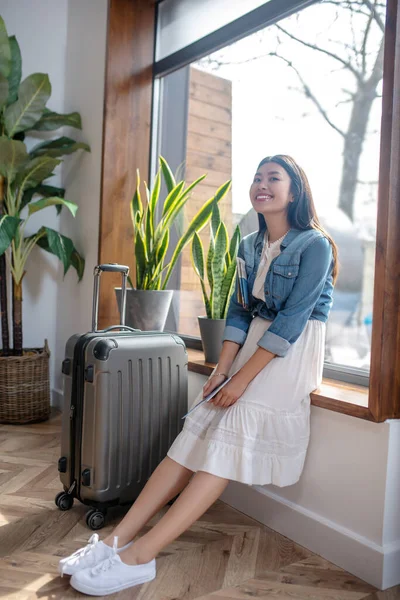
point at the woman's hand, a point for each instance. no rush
(231, 392)
(212, 383)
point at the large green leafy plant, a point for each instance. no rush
(152, 234)
(24, 189)
(220, 266)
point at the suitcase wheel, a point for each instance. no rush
(64, 501)
(95, 519)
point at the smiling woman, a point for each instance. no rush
(273, 347)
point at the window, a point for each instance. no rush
(182, 22)
(309, 85)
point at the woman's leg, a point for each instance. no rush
(168, 479)
(202, 491)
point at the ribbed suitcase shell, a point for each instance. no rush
(125, 395)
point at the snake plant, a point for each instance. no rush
(23, 112)
(152, 238)
(220, 266)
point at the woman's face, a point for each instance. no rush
(270, 191)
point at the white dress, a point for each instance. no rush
(263, 437)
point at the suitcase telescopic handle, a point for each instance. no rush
(110, 268)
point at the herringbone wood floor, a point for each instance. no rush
(224, 556)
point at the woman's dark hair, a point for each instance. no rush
(301, 212)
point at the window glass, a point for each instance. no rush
(309, 86)
(182, 22)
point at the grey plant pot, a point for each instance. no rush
(146, 309)
(211, 331)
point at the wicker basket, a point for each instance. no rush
(25, 386)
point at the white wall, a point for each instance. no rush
(391, 526)
(67, 40)
(346, 506)
(391, 531)
(43, 53)
(84, 91)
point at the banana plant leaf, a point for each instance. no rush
(51, 120)
(61, 246)
(8, 230)
(46, 191)
(5, 50)
(45, 202)
(59, 147)
(13, 156)
(4, 91)
(33, 94)
(78, 263)
(35, 172)
(23, 174)
(14, 77)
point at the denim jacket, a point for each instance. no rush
(298, 287)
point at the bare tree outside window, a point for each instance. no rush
(322, 66)
(361, 56)
(309, 86)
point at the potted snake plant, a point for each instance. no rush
(24, 191)
(148, 299)
(219, 268)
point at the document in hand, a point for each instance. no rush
(207, 398)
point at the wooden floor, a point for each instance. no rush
(224, 556)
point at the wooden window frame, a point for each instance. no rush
(126, 145)
(384, 389)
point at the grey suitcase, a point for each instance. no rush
(125, 392)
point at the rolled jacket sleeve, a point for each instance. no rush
(290, 321)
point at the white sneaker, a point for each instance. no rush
(88, 556)
(112, 575)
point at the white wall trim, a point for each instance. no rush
(317, 517)
(378, 565)
(391, 566)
